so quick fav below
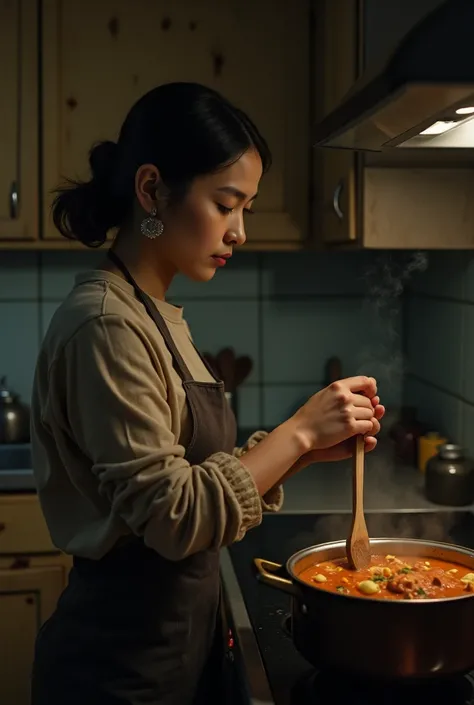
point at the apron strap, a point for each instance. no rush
(153, 312)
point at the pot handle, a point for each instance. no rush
(272, 574)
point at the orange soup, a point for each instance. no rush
(393, 578)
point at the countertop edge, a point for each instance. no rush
(257, 684)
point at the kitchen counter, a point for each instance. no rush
(389, 485)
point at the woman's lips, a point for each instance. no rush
(220, 261)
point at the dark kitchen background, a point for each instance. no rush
(354, 263)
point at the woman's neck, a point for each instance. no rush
(144, 265)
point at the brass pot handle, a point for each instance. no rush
(267, 572)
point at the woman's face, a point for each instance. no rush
(202, 230)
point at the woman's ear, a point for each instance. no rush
(149, 188)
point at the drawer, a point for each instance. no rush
(22, 526)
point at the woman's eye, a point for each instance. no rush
(249, 211)
(224, 209)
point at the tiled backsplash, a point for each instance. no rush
(439, 335)
(288, 311)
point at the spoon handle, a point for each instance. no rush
(358, 477)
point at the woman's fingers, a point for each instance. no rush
(361, 412)
(375, 427)
(360, 400)
(369, 443)
(366, 385)
(379, 411)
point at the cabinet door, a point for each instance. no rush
(100, 57)
(18, 120)
(336, 69)
(27, 598)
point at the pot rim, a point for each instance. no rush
(317, 548)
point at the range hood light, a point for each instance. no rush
(422, 96)
(437, 128)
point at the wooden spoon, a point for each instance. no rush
(358, 544)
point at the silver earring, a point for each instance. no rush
(152, 226)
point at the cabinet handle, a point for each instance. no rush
(14, 200)
(336, 199)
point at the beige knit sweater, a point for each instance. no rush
(109, 430)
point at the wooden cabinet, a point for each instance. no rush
(380, 201)
(18, 120)
(27, 598)
(336, 58)
(32, 576)
(286, 64)
(99, 58)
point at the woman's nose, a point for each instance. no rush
(235, 236)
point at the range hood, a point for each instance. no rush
(422, 97)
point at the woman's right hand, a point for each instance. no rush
(338, 412)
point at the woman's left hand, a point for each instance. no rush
(344, 450)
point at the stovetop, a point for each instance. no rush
(292, 680)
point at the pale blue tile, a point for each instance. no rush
(219, 324)
(18, 276)
(316, 273)
(467, 438)
(435, 343)
(248, 407)
(47, 310)
(469, 292)
(445, 275)
(437, 410)
(281, 401)
(58, 270)
(19, 348)
(299, 337)
(239, 278)
(468, 354)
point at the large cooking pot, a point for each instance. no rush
(376, 638)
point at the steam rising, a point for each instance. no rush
(439, 526)
(385, 282)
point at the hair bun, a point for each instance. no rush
(103, 160)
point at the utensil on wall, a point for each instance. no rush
(332, 371)
(243, 368)
(232, 370)
(358, 544)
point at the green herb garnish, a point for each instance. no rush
(379, 578)
(405, 570)
(421, 592)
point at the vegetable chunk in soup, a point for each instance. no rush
(393, 578)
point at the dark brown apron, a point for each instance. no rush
(134, 628)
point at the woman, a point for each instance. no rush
(133, 441)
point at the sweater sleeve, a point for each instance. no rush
(115, 404)
(273, 500)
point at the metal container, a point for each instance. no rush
(376, 638)
(449, 477)
(14, 416)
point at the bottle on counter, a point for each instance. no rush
(405, 433)
(428, 447)
(449, 477)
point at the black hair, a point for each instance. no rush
(185, 129)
